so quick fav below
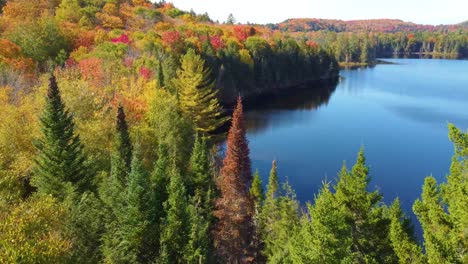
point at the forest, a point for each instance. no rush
(111, 116)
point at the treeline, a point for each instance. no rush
(166, 198)
(366, 47)
(362, 25)
(105, 41)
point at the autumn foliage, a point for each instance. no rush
(234, 209)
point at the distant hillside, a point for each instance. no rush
(464, 24)
(374, 25)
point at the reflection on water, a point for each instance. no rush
(279, 109)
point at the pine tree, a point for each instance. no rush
(197, 97)
(234, 208)
(60, 161)
(176, 225)
(406, 249)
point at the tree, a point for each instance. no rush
(34, 232)
(234, 208)
(364, 215)
(130, 232)
(324, 233)
(176, 225)
(230, 20)
(122, 149)
(406, 249)
(256, 191)
(442, 209)
(197, 97)
(200, 180)
(60, 160)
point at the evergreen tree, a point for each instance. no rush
(161, 81)
(281, 227)
(197, 97)
(270, 206)
(198, 248)
(230, 20)
(234, 208)
(256, 191)
(85, 226)
(125, 241)
(201, 180)
(160, 181)
(60, 161)
(406, 249)
(176, 225)
(443, 210)
(122, 149)
(369, 228)
(324, 233)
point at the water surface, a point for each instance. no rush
(398, 112)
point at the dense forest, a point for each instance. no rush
(362, 41)
(110, 121)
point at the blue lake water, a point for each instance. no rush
(398, 112)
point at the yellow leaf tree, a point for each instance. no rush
(197, 97)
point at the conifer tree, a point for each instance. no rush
(269, 211)
(234, 208)
(176, 225)
(60, 161)
(198, 248)
(160, 181)
(197, 97)
(122, 147)
(406, 249)
(281, 227)
(369, 228)
(324, 234)
(256, 191)
(443, 209)
(161, 81)
(201, 180)
(125, 237)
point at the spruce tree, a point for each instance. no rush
(60, 161)
(201, 180)
(324, 234)
(122, 152)
(256, 191)
(176, 225)
(161, 83)
(443, 209)
(369, 227)
(403, 243)
(199, 246)
(269, 211)
(197, 97)
(234, 208)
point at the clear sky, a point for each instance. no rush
(273, 11)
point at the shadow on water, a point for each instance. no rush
(303, 98)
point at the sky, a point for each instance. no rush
(433, 12)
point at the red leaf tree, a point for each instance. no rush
(234, 230)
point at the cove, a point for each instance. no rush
(398, 112)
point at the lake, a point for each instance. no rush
(398, 112)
